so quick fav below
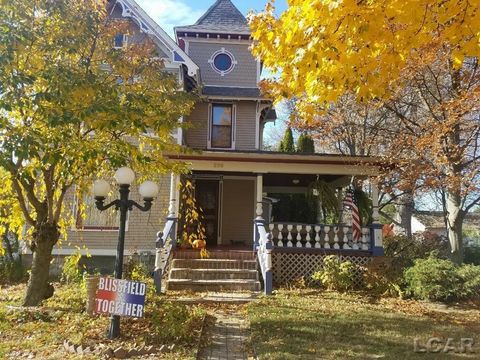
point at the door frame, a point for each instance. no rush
(220, 179)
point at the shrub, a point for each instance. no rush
(405, 250)
(433, 279)
(12, 272)
(172, 321)
(383, 276)
(72, 271)
(470, 275)
(472, 255)
(335, 274)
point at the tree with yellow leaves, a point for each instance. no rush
(73, 106)
(415, 58)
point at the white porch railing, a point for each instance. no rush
(318, 236)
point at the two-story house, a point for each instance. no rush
(233, 176)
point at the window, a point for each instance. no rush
(88, 217)
(119, 41)
(221, 129)
(222, 61)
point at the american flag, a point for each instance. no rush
(349, 202)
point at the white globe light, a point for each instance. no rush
(101, 188)
(148, 189)
(124, 176)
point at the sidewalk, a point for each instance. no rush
(228, 337)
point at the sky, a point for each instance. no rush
(170, 13)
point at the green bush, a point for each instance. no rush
(12, 272)
(471, 255)
(335, 274)
(72, 271)
(470, 275)
(433, 279)
(173, 321)
(441, 280)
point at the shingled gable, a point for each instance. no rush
(130, 9)
(221, 18)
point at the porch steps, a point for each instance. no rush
(223, 271)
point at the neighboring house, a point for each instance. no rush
(434, 222)
(233, 176)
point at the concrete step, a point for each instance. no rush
(213, 274)
(214, 264)
(215, 254)
(213, 285)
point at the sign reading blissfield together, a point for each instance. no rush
(120, 297)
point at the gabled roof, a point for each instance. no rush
(221, 17)
(147, 25)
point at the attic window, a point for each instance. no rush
(222, 61)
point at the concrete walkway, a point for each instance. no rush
(228, 337)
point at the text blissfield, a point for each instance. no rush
(120, 297)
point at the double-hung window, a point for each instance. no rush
(221, 128)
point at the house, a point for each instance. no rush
(434, 222)
(234, 178)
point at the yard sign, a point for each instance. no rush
(120, 297)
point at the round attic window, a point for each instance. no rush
(222, 61)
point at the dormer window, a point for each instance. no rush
(222, 61)
(120, 41)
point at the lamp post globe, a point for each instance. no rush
(148, 190)
(124, 176)
(101, 188)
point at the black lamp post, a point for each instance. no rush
(148, 190)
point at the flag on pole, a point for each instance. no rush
(349, 202)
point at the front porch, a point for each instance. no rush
(287, 244)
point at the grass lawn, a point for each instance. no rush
(311, 324)
(41, 333)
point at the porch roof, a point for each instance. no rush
(275, 162)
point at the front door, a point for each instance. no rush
(206, 194)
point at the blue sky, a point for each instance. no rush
(170, 13)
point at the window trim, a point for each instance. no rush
(233, 125)
(211, 61)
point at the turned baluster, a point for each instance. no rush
(335, 238)
(318, 229)
(299, 236)
(365, 233)
(355, 244)
(308, 228)
(326, 243)
(271, 228)
(289, 236)
(280, 235)
(345, 238)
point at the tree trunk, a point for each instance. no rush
(405, 208)
(38, 286)
(8, 245)
(454, 218)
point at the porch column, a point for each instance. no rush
(259, 208)
(173, 202)
(377, 228)
(258, 211)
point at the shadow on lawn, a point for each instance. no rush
(345, 327)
